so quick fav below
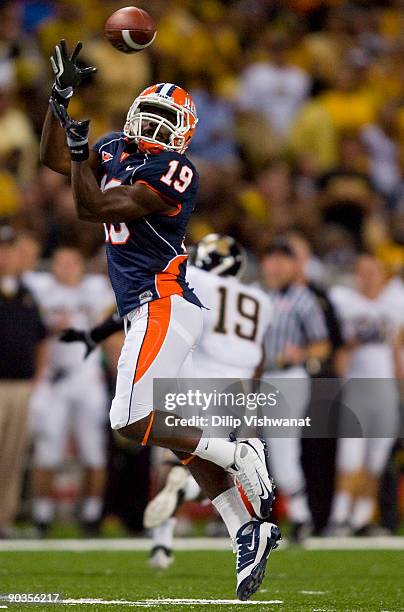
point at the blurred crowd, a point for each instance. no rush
(301, 116)
(301, 131)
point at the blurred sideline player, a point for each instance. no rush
(72, 395)
(140, 184)
(230, 347)
(371, 317)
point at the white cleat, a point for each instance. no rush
(251, 473)
(163, 506)
(161, 558)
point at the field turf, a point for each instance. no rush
(304, 581)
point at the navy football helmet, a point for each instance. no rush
(219, 254)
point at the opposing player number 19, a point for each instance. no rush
(247, 306)
(184, 178)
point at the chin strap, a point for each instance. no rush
(148, 147)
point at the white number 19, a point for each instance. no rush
(184, 177)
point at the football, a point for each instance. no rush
(130, 29)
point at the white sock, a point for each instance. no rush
(163, 535)
(216, 450)
(43, 509)
(341, 507)
(362, 512)
(91, 509)
(191, 490)
(298, 509)
(231, 508)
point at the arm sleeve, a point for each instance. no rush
(107, 328)
(107, 142)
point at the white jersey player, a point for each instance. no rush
(371, 317)
(72, 397)
(233, 326)
(234, 323)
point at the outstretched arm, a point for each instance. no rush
(124, 203)
(54, 152)
(97, 334)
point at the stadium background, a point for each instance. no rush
(323, 156)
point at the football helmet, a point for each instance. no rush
(219, 254)
(162, 118)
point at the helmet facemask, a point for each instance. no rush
(157, 125)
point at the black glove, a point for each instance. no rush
(68, 76)
(76, 131)
(75, 335)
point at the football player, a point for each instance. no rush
(140, 184)
(372, 317)
(230, 347)
(67, 296)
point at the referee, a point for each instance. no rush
(318, 454)
(296, 342)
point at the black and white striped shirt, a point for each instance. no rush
(298, 320)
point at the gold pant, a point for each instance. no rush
(14, 397)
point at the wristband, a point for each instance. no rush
(62, 95)
(79, 151)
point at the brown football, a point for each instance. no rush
(130, 29)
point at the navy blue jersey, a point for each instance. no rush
(147, 257)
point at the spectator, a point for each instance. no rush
(349, 92)
(18, 144)
(274, 89)
(347, 195)
(10, 201)
(214, 144)
(380, 139)
(390, 247)
(22, 364)
(313, 137)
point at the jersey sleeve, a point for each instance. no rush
(170, 175)
(107, 144)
